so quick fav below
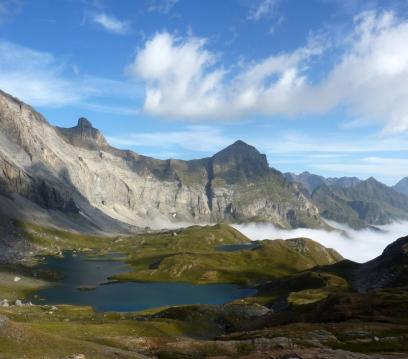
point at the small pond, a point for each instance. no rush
(85, 282)
(237, 247)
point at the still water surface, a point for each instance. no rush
(85, 283)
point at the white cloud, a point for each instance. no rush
(338, 156)
(41, 79)
(262, 9)
(373, 75)
(185, 80)
(182, 80)
(34, 76)
(299, 143)
(385, 167)
(359, 246)
(192, 138)
(111, 23)
(162, 6)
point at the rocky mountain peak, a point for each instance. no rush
(239, 161)
(84, 135)
(240, 146)
(240, 152)
(372, 181)
(84, 123)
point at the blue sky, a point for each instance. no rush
(317, 85)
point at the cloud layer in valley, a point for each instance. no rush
(359, 246)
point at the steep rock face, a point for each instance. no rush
(389, 270)
(38, 171)
(84, 135)
(75, 170)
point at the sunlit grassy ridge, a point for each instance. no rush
(270, 260)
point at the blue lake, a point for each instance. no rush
(85, 283)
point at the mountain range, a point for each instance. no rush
(358, 203)
(72, 178)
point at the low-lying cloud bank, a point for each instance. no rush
(357, 245)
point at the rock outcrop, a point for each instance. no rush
(389, 270)
(73, 175)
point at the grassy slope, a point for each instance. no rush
(270, 260)
(18, 290)
(39, 333)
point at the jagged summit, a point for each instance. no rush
(84, 123)
(240, 161)
(238, 146)
(372, 180)
(84, 135)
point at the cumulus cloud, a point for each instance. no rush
(184, 79)
(359, 246)
(373, 75)
(111, 23)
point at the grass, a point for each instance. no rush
(283, 268)
(270, 260)
(29, 340)
(11, 290)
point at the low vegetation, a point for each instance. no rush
(296, 280)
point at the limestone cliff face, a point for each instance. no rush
(76, 171)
